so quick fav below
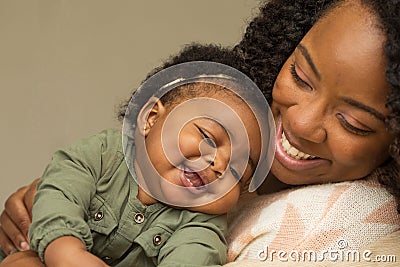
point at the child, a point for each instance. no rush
(173, 211)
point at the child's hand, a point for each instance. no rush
(69, 251)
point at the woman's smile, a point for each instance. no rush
(292, 151)
(292, 157)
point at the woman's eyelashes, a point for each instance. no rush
(298, 80)
(349, 127)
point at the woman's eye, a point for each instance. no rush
(350, 127)
(207, 139)
(299, 81)
(235, 174)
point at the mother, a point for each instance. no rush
(331, 71)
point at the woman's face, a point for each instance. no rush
(329, 101)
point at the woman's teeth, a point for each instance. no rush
(292, 151)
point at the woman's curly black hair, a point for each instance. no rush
(273, 35)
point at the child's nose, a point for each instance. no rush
(221, 161)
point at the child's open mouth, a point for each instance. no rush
(194, 181)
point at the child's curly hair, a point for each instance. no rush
(194, 52)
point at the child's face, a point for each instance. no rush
(207, 152)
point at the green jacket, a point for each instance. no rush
(88, 192)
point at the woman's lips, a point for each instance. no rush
(303, 160)
(195, 182)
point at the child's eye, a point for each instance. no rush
(207, 139)
(234, 173)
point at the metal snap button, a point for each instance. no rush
(157, 240)
(139, 218)
(107, 258)
(98, 216)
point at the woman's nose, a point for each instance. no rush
(306, 121)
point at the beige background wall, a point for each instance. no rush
(66, 64)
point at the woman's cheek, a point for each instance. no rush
(366, 154)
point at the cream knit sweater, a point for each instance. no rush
(318, 223)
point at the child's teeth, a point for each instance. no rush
(292, 151)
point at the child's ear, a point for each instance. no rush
(149, 114)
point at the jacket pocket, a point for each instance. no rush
(101, 217)
(153, 239)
